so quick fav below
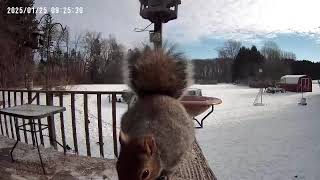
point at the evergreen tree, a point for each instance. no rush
(246, 64)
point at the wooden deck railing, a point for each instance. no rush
(194, 167)
(34, 97)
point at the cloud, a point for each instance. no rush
(245, 20)
(116, 17)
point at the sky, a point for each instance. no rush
(204, 25)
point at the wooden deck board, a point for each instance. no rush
(60, 166)
(195, 166)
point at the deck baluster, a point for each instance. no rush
(100, 125)
(23, 120)
(63, 136)
(74, 126)
(51, 123)
(114, 125)
(86, 123)
(4, 116)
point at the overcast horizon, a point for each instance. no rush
(203, 26)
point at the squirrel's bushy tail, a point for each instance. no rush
(158, 72)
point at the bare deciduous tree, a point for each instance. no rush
(288, 55)
(229, 50)
(274, 66)
(271, 51)
(104, 58)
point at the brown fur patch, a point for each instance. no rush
(155, 72)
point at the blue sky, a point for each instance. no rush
(304, 47)
(202, 26)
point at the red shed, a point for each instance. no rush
(296, 83)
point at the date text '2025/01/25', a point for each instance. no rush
(45, 10)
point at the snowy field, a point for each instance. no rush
(278, 141)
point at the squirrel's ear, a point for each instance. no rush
(150, 146)
(123, 138)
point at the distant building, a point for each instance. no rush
(296, 83)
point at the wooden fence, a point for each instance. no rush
(13, 97)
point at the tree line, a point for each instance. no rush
(240, 64)
(56, 58)
(87, 58)
(43, 52)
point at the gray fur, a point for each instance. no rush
(167, 120)
(158, 111)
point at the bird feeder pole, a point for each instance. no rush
(158, 31)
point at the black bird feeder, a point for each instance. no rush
(158, 12)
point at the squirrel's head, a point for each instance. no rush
(138, 159)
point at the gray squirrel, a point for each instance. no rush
(156, 132)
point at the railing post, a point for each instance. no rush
(23, 120)
(1, 124)
(16, 119)
(4, 116)
(29, 97)
(74, 124)
(17, 128)
(51, 123)
(100, 125)
(29, 94)
(114, 125)
(39, 121)
(86, 123)
(15, 98)
(63, 136)
(11, 122)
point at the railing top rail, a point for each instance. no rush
(65, 92)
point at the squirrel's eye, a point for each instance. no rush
(145, 174)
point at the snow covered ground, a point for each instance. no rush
(278, 141)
